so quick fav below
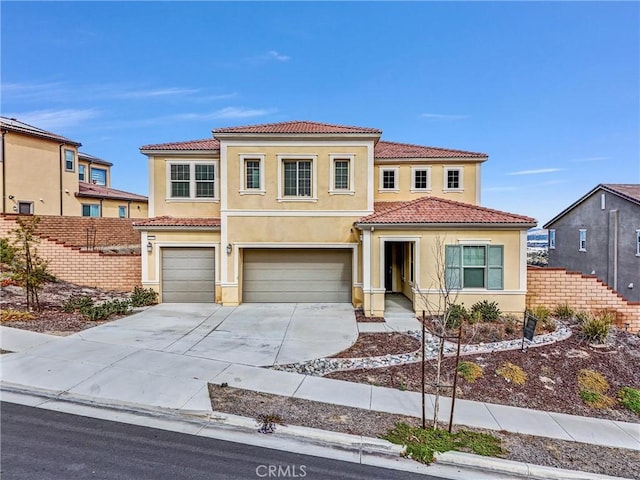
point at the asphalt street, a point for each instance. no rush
(43, 444)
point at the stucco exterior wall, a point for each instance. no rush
(611, 242)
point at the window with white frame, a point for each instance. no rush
(69, 160)
(91, 210)
(552, 239)
(297, 178)
(99, 176)
(252, 174)
(82, 173)
(582, 245)
(389, 179)
(453, 179)
(420, 179)
(341, 174)
(25, 208)
(122, 211)
(638, 243)
(474, 266)
(192, 180)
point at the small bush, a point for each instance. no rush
(564, 311)
(630, 399)
(592, 381)
(7, 252)
(268, 422)
(456, 315)
(596, 400)
(582, 317)
(541, 312)
(470, 371)
(489, 311)
(512, 373)
(143, 297)
(512, 324)
(15, 316)
(76, 303)
(597, 327)
(104, 310)
(421, 445)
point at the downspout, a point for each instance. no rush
(4, 177)
(614, 214)
(101, 213)
(61, 186)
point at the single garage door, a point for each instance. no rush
(297, 275)
(188, 275)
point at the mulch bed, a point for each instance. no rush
(551, 371)
(373, 344)
(361, 318)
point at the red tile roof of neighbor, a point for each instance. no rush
(434, 210)
(13, 125)
(92, 159)
(98, 191)
(203, 144)
(297, 126)
(178, 222)
(629, 190)
(386, 149)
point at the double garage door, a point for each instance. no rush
(188, 275)
(297, 275)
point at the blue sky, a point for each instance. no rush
(551, 91)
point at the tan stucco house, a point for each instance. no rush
(42, 173)
(312, 212)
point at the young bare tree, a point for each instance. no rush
(27, 268)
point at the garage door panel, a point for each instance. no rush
(188, 275)
(300, 275)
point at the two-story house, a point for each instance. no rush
(599, 234)
(312, 212)
(43, 173)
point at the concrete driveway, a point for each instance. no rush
(250, 334)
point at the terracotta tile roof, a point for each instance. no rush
(297, 127)
(98, 191)
(204, 144)
(629, 190)
(178, 222)
(386, 149)
(434, 210)
(13, 125)
(92, 159)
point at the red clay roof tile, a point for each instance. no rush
(386, 149)
(434, 210)
(178, 222)
(203, 144)
(297, 126)
(99, 191)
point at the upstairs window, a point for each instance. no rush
(582, 244)
(389, 179)
(90, 210)
(297, 178)
(82, 173)
(453, 179)
(341, 175)
(195, 180)
(552, 239)
(69, 160)
(420, 179)
(122, 211)
(474, 266)
(252, 172)
(99, 176)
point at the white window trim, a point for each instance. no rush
(25, 202)
(73, 168)
(91, 205)
(84, 167)
(415, 169)
(125, 211)
(396, 173)
(332, 172)
(314, 178)
(552, 239)
(192, 181)
(445, 175)
(638, 243)
(243, 177)
(98, 169)
(580, 247)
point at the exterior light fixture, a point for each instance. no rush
(149, 247)
(229, 249)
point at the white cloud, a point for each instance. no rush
(153, 93)
(227, 112)
(56, 119)
(441, 116)
(33, 91)
(273, 55)
(536, 171)
(589, 159)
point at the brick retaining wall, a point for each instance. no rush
(85, 268)
(553, 286)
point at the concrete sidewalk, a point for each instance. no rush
(139, 375)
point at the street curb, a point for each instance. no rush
(333, 440)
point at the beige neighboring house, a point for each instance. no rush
(312, 212)
(42, 173)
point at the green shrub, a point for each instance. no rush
(7, 252)
(512, 323)
(593, 387)
(596, 400)
(489, 311)
(470, 371)
(76, 303)
(421, 445)
(512, 373)
(456, 315)
(104, 310)
(564, 311)
(15, 316)
(142, 297)
(630, 399)
(541, 312)
(582, 317)
(597, 327)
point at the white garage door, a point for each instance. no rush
(297, 275)
(188, 275)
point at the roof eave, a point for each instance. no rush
(199, 152)
(304, 135)
(209, 228)
(426, 226)
(111, 197)
(441, 159)
(59, 140)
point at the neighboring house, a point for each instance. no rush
(43, 173)
(600, 235)
(313, 212)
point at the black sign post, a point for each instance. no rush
(529, 328)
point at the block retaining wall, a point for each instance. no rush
(85, 268)
(552, 286)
